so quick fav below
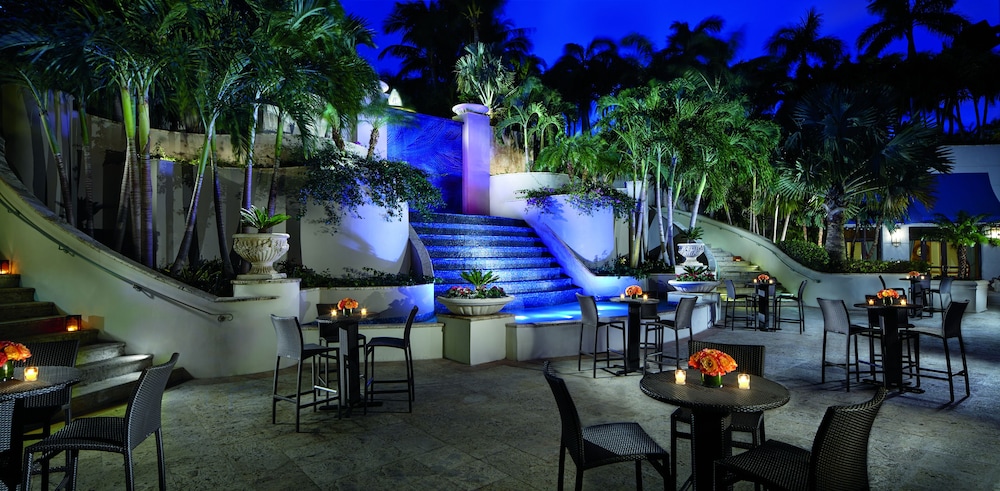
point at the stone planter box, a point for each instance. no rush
(475, 306)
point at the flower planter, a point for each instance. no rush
(261, 250)
(694, 286)
(475, 306)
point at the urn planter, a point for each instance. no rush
(475, 306)
(694, 286)
(261, 251)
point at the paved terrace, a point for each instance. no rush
(496, 427)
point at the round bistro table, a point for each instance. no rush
(711, 410)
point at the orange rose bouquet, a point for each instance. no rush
(633, 291)
(347, 303)
(712, 362)
(10, 351)
(763, 277)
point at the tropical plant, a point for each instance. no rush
(963, 232)
(260, 219)
(899, 18)
(479, 278)
(696, 273)
(481, 74)
(586, 196)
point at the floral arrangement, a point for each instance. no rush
(479, 280)
(633, 291)
(696, 273)
(911, 274)
(887, 293)
(712, 362)
(347, 303)
(763, 277)
(10, 350)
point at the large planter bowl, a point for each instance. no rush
(261, 251)
(694, 286)
(691, 251)
(475, 306)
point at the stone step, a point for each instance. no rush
(99, 351)
(462, 229)
(480, 240)
(10, 280)
(516, 287)
(515, 274)
(28, 328)
(491, 264)
(479, 251)
(110, 368)
(16, 295)
(27, 310)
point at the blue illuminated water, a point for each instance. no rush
(571, 311)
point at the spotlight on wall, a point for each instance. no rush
(4, 266)
(993, 231)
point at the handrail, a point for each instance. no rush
(220, 317)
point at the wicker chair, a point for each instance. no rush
(403, 344)
(797, 299)
(733, 301)
(749, 359)
(951, 328)
(589, 319)
(602, 444)
(838, 459)
(40, 410)
(837, 321)
(290, 345)
(113, 434)
(682, 320)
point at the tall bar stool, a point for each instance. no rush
(733, 301)
(837, 321)
(403, 344)
(681, 320)
(589, 319)
(800, 317)
(951, 328)
(943, 289)
(649, 321)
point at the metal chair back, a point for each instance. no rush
(835, 316)
(289, 335)
(588, 310)
(685, 309)
(839, 458)
(951, 324)
(572, 429)
(142, 416)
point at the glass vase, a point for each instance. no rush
(713, 381)
(7, 371)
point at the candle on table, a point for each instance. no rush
(680, 376)
(645, 297)
(871, 301)
(622, 296)
(364, 311)
(30, 374)
(902, 302)
(743, 380)
(333, 313)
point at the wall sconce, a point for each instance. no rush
(74, 322)
(896, 236)
(993, 231)
(4, 266)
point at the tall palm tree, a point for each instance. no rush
(800, 47)
(699, 48)
(842, 144)
(584, 74)
(964, 231)
(899, 19)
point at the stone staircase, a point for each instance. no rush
(108, 372)
(508, 247)
(741, 272)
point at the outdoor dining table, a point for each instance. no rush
(766, 302)
(633, 328)
(892, 345)
(711, 411)
(12, 395)
(349, 369)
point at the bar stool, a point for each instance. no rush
(800, 318)
(732, 301)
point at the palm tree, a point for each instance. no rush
(480, 73)
(699, 48)
(843, 145)
(800, 47)
(899, 18)
(963, 232)
(582, 75)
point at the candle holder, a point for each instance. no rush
(74, 322)
(30, 374)
(4, 266)
(743, 380)
(680, 376)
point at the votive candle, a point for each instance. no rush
(645, 297)
(30, 374)
(333, 313)
(680, 376)
(902, 302)
(871, 301)
(622, 296)
(364, 311)
(743, 380)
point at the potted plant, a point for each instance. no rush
(690, 249)
(695, 279)
(478, 300)
(261, 249)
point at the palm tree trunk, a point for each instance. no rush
(697, 201)
(192, 213)
(87, 171)
(146, 186)
(220, 222)
(272, 195)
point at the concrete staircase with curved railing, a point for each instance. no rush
(108, 372)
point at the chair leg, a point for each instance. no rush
(160, 460)
(129, 471)
(951, 376)
(562, 465)
(638, 474)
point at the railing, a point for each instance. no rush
(151, 292)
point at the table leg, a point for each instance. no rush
(347, 364)
(709, 442)
(892, 352)
(632, 329)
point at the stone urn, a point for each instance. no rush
(691, 251)
(261, 251)
(475, 306)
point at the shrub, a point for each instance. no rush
(353, 278)
(808, 254)
(876, 266)
(586, 196)
(206, 276)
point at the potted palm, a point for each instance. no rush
(478, 300)
(263, 248)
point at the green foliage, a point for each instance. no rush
(341, 182)
(875, 266)
(259, 219)
(808, 254)
(478, 278)
(206, 276)
(586, 196)
(353, 278)
(690, 235)
(696, 273)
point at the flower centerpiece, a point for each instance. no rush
(480, 299)
(633, 291)
(762, 278)
(9, 352)
(695, 279)
(712, 364)
(912, 274)
(888, 296)
(347, 305)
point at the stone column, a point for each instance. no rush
(477, 149)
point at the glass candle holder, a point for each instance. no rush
(30, 374)
(680, 376)
(743, 380)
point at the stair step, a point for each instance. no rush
(462, 229)
(485, 252)
(454, 218)
(28, 328)
(16, 295)
(480, 240)
(84, 336)
(517, 287)
(110, 368)
(10, 280)
(492, 264)
(454, 276)
(99, 351)
(27, 310)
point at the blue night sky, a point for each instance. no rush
(553, 23)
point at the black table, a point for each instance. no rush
(633, 328)
(711, 411)
(12, 394)
(892, 346)
(349, 370)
